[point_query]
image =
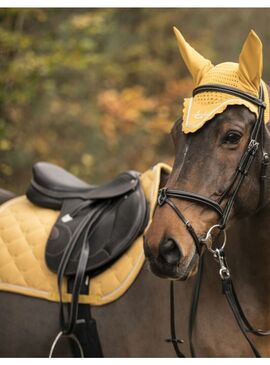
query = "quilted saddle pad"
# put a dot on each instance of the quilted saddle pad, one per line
(24, 230)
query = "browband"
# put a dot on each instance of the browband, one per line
(229, 90)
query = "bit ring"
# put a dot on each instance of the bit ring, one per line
(208, 238)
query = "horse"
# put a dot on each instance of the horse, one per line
(138, 324)
(191, 211)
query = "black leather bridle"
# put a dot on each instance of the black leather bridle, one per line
(256, 138)
(256, 142)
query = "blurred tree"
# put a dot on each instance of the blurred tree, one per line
(97, 90)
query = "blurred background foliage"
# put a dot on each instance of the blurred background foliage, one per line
(97, 90)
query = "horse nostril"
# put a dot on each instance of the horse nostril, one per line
(170, 252)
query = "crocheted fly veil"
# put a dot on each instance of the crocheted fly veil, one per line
(245, 76)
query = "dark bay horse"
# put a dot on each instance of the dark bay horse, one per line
(206, 163)
(138, 323)
(248, 253)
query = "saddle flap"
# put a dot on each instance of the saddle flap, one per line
(121, 221)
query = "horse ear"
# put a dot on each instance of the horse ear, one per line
(196, 64)
(251, 61)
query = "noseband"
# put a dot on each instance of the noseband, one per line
(256, 141)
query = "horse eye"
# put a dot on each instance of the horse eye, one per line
(232, 137)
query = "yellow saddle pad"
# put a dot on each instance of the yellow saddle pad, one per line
(24, 230)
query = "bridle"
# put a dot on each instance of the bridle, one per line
(256, 142)
(241, 172)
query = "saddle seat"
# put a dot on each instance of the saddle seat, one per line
(51, 185)
(56, 178)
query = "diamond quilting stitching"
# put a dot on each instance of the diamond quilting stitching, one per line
(24, 229)
(23, 252)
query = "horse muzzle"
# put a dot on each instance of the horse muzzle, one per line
(169, 262)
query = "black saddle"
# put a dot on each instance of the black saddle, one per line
(116, 211)
(95, 226)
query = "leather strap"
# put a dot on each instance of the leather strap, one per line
(196, 198)
(227, 290)
(194, 304)
(230, 90)
(192, 314)
(86, 329)
(89, 221)
(187, 224)
(173, 339)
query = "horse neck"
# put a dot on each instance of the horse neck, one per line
(248, 254)
(250, 249)
(253, 246)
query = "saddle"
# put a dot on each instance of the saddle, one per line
(95, 226)
(116, 211)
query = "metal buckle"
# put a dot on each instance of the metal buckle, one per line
(253, 146)
(162, 196)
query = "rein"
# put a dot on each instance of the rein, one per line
(256, 141)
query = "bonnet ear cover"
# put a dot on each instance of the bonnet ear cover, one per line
(245, 76)
(196, 64)
(251, 62)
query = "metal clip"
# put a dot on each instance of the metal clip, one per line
(224, 271)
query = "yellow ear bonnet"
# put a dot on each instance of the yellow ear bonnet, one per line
(245, 76)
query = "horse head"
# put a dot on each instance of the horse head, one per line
(221, 156)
